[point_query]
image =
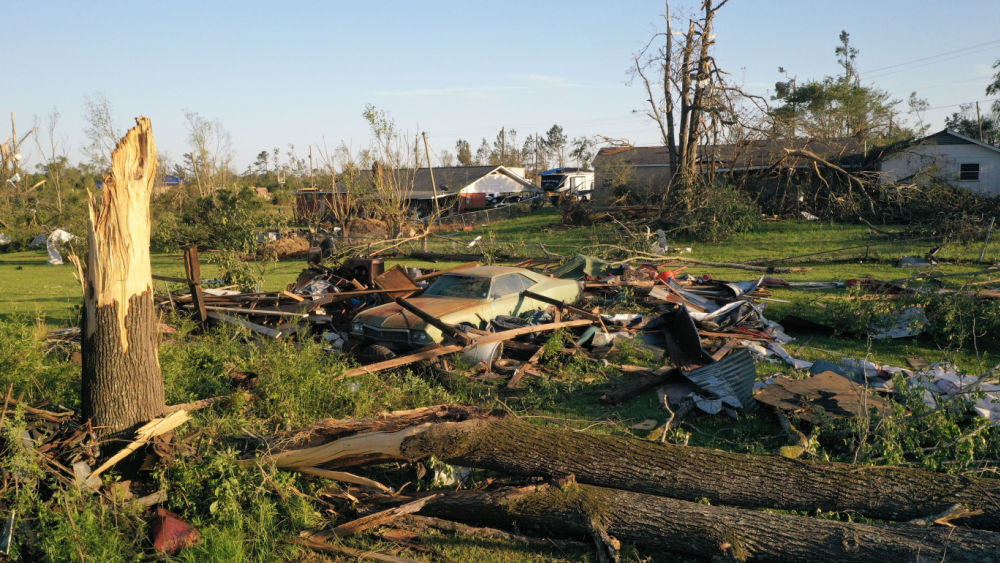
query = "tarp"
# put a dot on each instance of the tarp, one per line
(52, 245)
(579, 266)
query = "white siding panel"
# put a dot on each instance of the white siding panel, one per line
(942, 162)
(496, 184)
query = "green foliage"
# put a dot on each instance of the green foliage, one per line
(959, 319)
(724, 211)
(235, 269)
(243, 511)
(35, 376)
(946, 437)
(225, 220)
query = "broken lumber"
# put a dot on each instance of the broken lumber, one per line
(705, 531)
(487, 441)
(372, 520)
(428, 353)
(638, 385)
(445, 328)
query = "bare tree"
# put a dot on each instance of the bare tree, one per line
(211, 153)
(392, 170)
(101, 132)
(692, 103)
(54, 156)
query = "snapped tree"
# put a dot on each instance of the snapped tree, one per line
(121, 382)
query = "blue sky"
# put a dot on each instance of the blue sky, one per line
(275, 73)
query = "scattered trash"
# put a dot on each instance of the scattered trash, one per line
(52, 245)
(914, 262)
(171, 534)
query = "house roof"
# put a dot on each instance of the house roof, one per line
(846, 152)
(450, 180)
(951, 137)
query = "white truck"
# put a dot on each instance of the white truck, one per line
(568, 182)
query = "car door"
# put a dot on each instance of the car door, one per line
(505, 294)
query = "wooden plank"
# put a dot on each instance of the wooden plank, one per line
(292, 296)
(437, 323)
(266, 331)
(397, 280)
(530, 329)
(445, 271)
(427, 353)
(192, 269)
(260, 312)
(170, 279)
(551, 301)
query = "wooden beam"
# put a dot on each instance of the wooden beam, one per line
(193, 270)
(427, 353)
(437, 323)
(445, 271)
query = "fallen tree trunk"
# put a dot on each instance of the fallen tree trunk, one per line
(666, 524)
(481, 439)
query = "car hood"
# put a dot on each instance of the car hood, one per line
(392, 316)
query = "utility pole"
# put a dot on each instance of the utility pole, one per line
(427, 151)
(503, 144)
(979, 119)
(311, 183)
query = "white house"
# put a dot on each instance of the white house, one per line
(946, 157)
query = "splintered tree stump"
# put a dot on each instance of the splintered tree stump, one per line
(717, 532)
(121, 382)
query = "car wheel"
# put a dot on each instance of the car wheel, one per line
(376, 353)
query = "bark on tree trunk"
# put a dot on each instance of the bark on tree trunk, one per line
(121, 382)
(666, 524)
(475, 438)
(691, 473)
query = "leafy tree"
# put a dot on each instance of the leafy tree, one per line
(535, 154)
(464, 152)
(993, 88)
(505, 150)
(583, 151)
(836, 106)
(986, 127)
(555, 141)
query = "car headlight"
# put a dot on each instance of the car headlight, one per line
(357, 327)
(420, 337)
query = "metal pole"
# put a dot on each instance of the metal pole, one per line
(437, 208)
(987, 241)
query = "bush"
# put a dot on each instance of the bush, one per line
(725, 211)
(226, 220)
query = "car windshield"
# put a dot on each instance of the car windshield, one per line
(451, 285)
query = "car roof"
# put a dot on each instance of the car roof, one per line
(493, 271)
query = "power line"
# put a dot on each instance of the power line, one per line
(962, 51)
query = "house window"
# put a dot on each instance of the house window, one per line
(969, 171)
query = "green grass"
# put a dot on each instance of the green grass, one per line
(247, 513)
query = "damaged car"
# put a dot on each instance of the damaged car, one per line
(469, 297)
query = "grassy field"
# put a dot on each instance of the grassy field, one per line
(247, 513)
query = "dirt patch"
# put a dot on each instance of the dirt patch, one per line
(285, 247)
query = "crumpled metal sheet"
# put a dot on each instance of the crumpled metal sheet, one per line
(729, 380)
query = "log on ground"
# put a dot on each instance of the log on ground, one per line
(666, 524)
(514, 447)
